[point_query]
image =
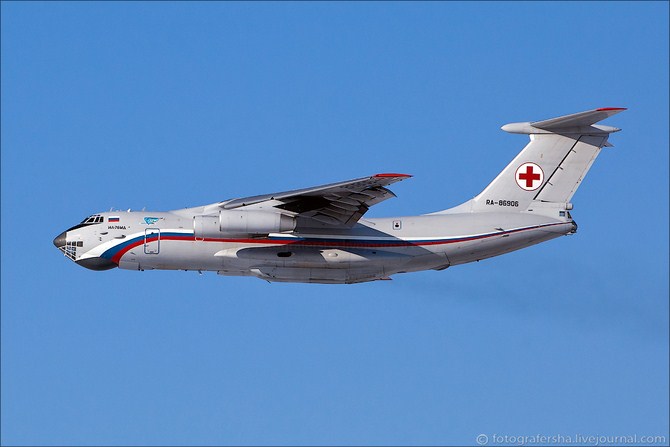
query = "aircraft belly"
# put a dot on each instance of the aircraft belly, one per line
(318, 275)
(470, 251)
(218, 256)
(174, 255)
(337, 259)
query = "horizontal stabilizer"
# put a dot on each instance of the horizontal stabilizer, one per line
(581, 123)
(578, 119)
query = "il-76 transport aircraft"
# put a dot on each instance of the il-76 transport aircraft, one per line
(319, 234)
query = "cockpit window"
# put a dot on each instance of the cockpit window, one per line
(94, 219)
(90, 220)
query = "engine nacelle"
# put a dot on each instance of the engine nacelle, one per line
(229, 222)
(254, 222)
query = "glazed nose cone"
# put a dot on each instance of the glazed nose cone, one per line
(60, 240)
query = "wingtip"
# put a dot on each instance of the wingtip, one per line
(392, 175)
(607, 109)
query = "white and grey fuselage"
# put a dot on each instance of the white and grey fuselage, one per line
(294, 236)
(373, 249)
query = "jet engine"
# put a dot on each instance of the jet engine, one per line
(231, 222)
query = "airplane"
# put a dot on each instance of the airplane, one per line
(319, 234)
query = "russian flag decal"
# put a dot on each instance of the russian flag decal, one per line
(113, 219)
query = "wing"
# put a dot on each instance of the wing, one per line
(339, 204)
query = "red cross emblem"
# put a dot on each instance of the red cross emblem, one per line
(529, 176)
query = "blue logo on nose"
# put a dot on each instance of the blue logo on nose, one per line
(150, 220)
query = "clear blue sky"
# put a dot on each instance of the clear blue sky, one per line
(167, 105)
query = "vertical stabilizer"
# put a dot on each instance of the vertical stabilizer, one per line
(551, 167)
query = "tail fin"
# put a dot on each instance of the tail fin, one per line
(551, 167)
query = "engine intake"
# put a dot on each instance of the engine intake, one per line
(231, 222)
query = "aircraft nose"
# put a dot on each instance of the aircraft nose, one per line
(60, 240)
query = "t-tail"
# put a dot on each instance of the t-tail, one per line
(548, 171)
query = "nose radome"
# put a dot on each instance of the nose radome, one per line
(60, 240)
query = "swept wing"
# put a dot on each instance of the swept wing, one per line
(339, 204)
